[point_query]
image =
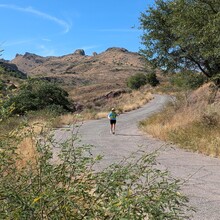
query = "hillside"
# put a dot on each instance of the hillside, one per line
(111, 66)
(86, 78)
(10, 77)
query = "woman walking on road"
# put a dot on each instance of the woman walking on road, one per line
(112, 118)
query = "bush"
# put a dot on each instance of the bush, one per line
(136, 81)
(152, 79)
(35, 95)
(187, 80)
(70, 189)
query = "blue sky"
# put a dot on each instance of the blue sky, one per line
(56, 28)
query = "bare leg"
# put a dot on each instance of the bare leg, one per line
(113, 128)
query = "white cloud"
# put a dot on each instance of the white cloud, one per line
(89, 47)
(31, 10)
(44, 51)
(18, 42)
(46, 39)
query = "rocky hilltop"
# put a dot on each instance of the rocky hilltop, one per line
(88, 79)
(110, 66)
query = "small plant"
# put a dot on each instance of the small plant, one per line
(70, 188)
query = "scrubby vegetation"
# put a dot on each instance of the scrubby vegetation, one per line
(136, 81)
(124, 103)
(187, 80)
(191, 120)
(35, 95)
(70, 189)
(30, 100)
(140, 79)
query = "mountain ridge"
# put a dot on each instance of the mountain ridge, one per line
(120, 62)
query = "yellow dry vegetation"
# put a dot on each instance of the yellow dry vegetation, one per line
(26, 148)
(191, 122)
(124, 103)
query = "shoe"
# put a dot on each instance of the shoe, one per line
(113, 132)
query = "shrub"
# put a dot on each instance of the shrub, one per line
(136, 81)
(70, 189)
(2, 86)
(35, 95)
(187, 80)
(152, 79)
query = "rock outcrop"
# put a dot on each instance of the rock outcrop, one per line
(79, 52)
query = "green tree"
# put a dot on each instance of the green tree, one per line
(183, 34)
(136, 81)
(151, 79)
(37, 94)
(187, 80)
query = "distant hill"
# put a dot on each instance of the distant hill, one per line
(111, 66)
(86, 78)
(10, 69)
(10, 77)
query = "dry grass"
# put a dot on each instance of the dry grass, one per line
(134, 100)
(101, 115)
(66, 119)
(193, 123)
(24, 137)
(124, 103)
(26, 151)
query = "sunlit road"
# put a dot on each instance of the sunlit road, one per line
(202, 172)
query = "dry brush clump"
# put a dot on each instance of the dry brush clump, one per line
(192, 122)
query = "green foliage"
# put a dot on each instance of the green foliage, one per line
(140, 79)
(183, 34)
(70, 189)
(9, 72)
(2, 86)
(136, 81)
(151, 79)
(35, 95)
(187, 80)
(5, 112)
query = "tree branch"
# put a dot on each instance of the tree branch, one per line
(209, 4)
(190, 57)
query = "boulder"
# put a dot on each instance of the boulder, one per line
(79, 52)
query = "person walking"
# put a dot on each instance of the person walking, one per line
(112, 118)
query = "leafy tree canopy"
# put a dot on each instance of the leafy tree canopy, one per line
(37, 94)
(183, 34)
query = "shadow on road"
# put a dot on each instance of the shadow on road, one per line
(138, 135)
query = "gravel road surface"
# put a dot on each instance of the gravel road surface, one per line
(201, 172)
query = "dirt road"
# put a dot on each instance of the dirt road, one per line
(203, 186)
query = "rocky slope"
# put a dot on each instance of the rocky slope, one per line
(86, 78)
(110, 66)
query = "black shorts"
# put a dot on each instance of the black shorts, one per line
(112, 122)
